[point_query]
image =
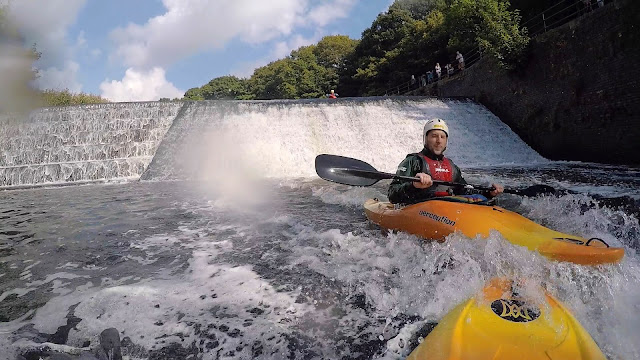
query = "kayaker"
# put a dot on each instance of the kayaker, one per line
(430, 164)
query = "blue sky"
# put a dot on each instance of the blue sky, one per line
(137, 50)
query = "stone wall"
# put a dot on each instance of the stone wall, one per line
(578, 97)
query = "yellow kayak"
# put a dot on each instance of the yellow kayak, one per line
(435, 219)
(497, 324)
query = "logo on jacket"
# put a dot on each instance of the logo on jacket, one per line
(514, 310)
(442, 170)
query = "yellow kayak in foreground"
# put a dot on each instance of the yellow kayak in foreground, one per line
(435, 219)
(497, 324)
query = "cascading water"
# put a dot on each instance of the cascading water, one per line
(264, 260)
(82, 143)
(282, 138)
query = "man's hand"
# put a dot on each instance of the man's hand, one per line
(497, 190)
(425, 181)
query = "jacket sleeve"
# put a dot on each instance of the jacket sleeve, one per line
(457, 174)
(402, 191)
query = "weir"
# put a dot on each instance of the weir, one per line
(199, 140)
(82, 143)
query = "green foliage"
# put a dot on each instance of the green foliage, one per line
(415, 34)
(333, 54)
(225, 87)
(406, 40)
(417, 9)
(372, 68)
(66, 98)
(308, 72)
(194, 94)
(490, 24)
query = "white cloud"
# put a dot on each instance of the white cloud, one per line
(45, 23)
(60, 78)
(192, 26)
(330, 11)
(81, 41)
(95, 53)
(140, 86)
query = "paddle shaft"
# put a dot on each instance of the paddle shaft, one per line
(383, 175)
(354, 172)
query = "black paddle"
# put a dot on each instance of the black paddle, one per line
(348, 171)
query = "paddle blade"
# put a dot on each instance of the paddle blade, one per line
(347, 171)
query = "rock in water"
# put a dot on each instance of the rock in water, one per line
(110, 343)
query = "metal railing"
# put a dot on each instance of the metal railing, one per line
(422, 80)
(560, 14)
(553, 17)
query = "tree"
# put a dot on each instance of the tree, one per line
(490, 24)
(332, 53)
(224, 87)
(274, 81)
(371, 72)
(417, 9)
(193, 94)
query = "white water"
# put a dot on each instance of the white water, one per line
(281, 139)
(82, 143)
(272, 139)
(231, 143)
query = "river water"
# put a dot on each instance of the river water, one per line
(277, 265)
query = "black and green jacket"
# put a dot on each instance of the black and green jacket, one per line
(403, 192)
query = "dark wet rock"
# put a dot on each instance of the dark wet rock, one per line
(86, 343)
(101, 354)
(110, 343)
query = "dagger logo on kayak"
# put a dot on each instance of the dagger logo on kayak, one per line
(514, 310)
(442, 219)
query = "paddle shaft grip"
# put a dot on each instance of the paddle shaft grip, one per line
(445, 183)
(383, 175)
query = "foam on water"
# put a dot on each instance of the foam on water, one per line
(601, 298)
(281, 139)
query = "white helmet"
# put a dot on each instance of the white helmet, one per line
(434, 124)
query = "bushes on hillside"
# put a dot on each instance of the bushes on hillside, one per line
(65, 98)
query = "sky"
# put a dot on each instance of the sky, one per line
(139, 50)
